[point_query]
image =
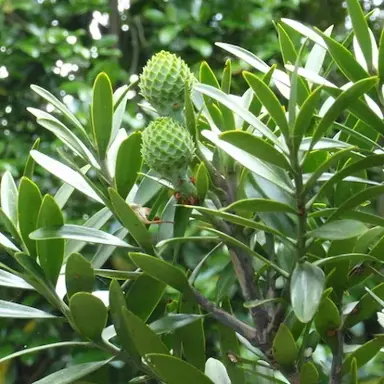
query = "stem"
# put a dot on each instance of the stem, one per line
(304, 345)
(227, 319)
(337, 360)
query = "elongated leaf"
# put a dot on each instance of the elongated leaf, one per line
(250, 162)
(9, 196)
(202, 181)
(304, 30)
(102, 112)
(344, 59)
(7, 244)
(77, 232)
(60, 106)
(339, 230)
(73, 373)
(162, 271)
(8, 279)
(66, 174)
(10, 227)
(226, 77)
(357, 199)
(79, 275)
(128, 163)
(269, 101)
(381, 57)
(305, 115)
(116, 304)
(131, 221)
(236, 219)
(89, 314)
(171, 369)
(360, 28)
(259, 205)
(18, 311)
(50, 252)
(146, 340)
(144, 295)
(307, 284)
(284, 347)
(353, 257)
(173, 321)
(119, 109)
(363, 354)
(343, 101)
(232, 241)
(96, 221)
(29, 167)
(256, 146)
(29, 202)
(43, 348)
(239, 110)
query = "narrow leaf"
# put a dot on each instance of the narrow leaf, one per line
(339, 230)
(18, 311)
(9, 196)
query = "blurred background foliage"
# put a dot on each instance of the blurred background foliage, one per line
(63, 45)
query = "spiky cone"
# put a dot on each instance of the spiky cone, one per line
(168, 148)
(163, 81)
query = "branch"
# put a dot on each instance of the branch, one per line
(227, 319)
(337, 361)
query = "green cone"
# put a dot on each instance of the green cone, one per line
(163, 80)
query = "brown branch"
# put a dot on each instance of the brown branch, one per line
(337, 361)
(227, 319)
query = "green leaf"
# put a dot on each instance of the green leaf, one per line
(78, 232)
(30, 163)
(339, 230)
(128, 163)
(353, 371)
(343, 101)
(360, 165)
(258, 303)
(144, 295)
(7, 244)
(354, 257)
(328, 321)
(102, 112)
(358, 199)
(247, 116)
(9, 197)
(344, 59)
(360, 29)
(256, 146)
(366, 307)
(119, 110)
(189, 113)
(145, 340)
(226, 77)
(227, 279)
(66, 174)
(269, 101)
(229, 344)
(10, 227)
(250, 162)
(232, 241)
(171, 369)
(29, 202)
(64, 134)
(73, 373)
(18, 311)
(116, 304)
(50, 252)
(89, 314)
(8, 279)
(173, 321)
(309, 374)
(363, 354)
(79, 275)
(236, 219)
(307, 284)
(43, 348)
(60, 106)
(162, 271)
(202, 181)
(192, 336)
(381, 58)
(131, 221)
(305, 116)
(96, 221)
(207, 76)
(117, 274)
(284, 347)
(259, 205)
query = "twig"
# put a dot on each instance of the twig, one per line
(337, 361)
(227, 319)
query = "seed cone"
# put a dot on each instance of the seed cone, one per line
(163, 80)
(167, 147)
